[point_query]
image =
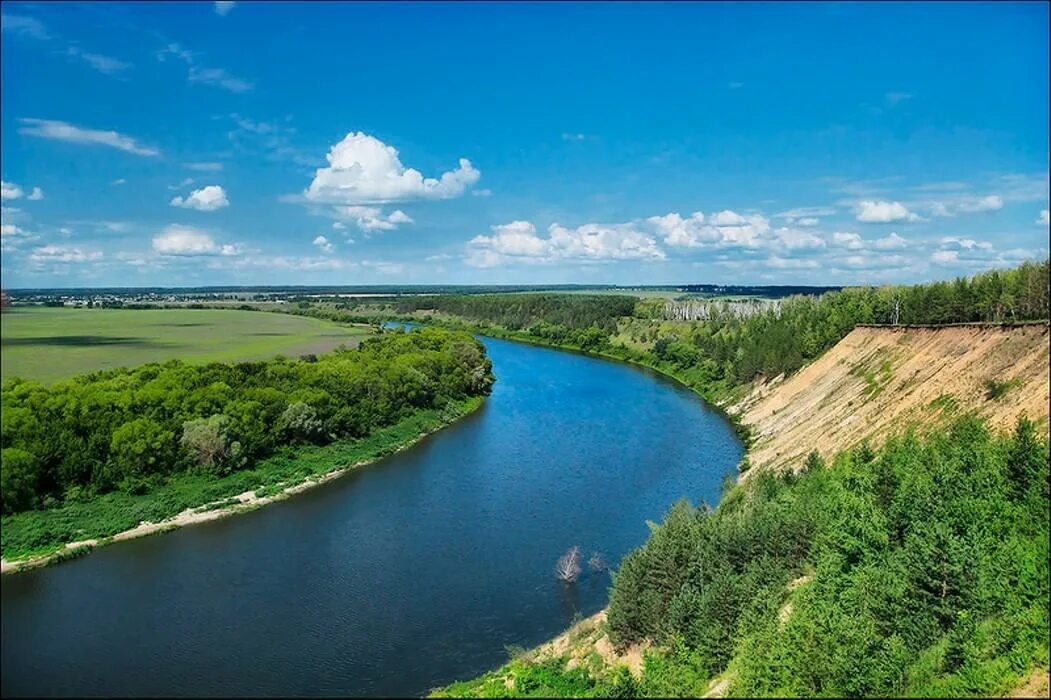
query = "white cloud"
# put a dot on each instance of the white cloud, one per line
(207, 198)
(27, 26)
(61, 131)
(850, 241)
(891, 242)
(807, 221)
(965, 205)
(185, 183)
(965, 243)
(370, 219)
(725, 229)
(796, 239)
(364, 170)
(103, 64)
(804, 212)
(573, 137)
(180, 240)
(894, 98)
(880, 212)
(223, 6)
(945, 257)
(63, 254)
(206, 167)
(11, 237)
(217, 77)
(9, 190)
(119, 181)
(1043, 219)
(518, 241)
(324, 244)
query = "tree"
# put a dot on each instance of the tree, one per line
(208, 444)
(18, 479)
(141, 447)
(300, 422)
(568, 567)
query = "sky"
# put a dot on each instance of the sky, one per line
(218, 143)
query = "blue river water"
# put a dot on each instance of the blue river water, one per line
(405, 575)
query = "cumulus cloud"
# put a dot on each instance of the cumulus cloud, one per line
(880, 212)
(724, 229)
(848, 240)
(9, 190)
(207, 198)
(324, 244)
(364, 170)
(518, 241)
(371, 219)
(177, 240)
(61, 131)
(891, 242)
(807, 221)
(965, 243)
(12, 236)
(1043, 219)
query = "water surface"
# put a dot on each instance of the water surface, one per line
(403, 576)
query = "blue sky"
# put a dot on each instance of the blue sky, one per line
(325, 143)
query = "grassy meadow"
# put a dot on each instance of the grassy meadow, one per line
(48, 344)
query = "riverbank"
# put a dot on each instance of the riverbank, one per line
(39, 538)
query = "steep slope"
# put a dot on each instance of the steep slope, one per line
(879, 379)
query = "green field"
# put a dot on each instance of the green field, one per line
(48, 344)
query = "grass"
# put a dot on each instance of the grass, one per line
(39, 532)
(995, 389)
(48, 344)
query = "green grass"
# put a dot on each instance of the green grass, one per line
(36, 532)
(995, 389)
(48, 344)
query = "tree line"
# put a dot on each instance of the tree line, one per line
(130, 428)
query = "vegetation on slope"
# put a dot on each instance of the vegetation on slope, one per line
(130, 430)
(918, 570)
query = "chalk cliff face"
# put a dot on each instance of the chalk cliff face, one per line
(879, 380)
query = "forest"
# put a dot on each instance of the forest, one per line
(130, 429)
(927, 558)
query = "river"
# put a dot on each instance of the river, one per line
(406, 575)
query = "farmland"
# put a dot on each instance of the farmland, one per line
(48, 344)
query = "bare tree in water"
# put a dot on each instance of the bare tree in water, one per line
(568, 567)
(597, 563)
